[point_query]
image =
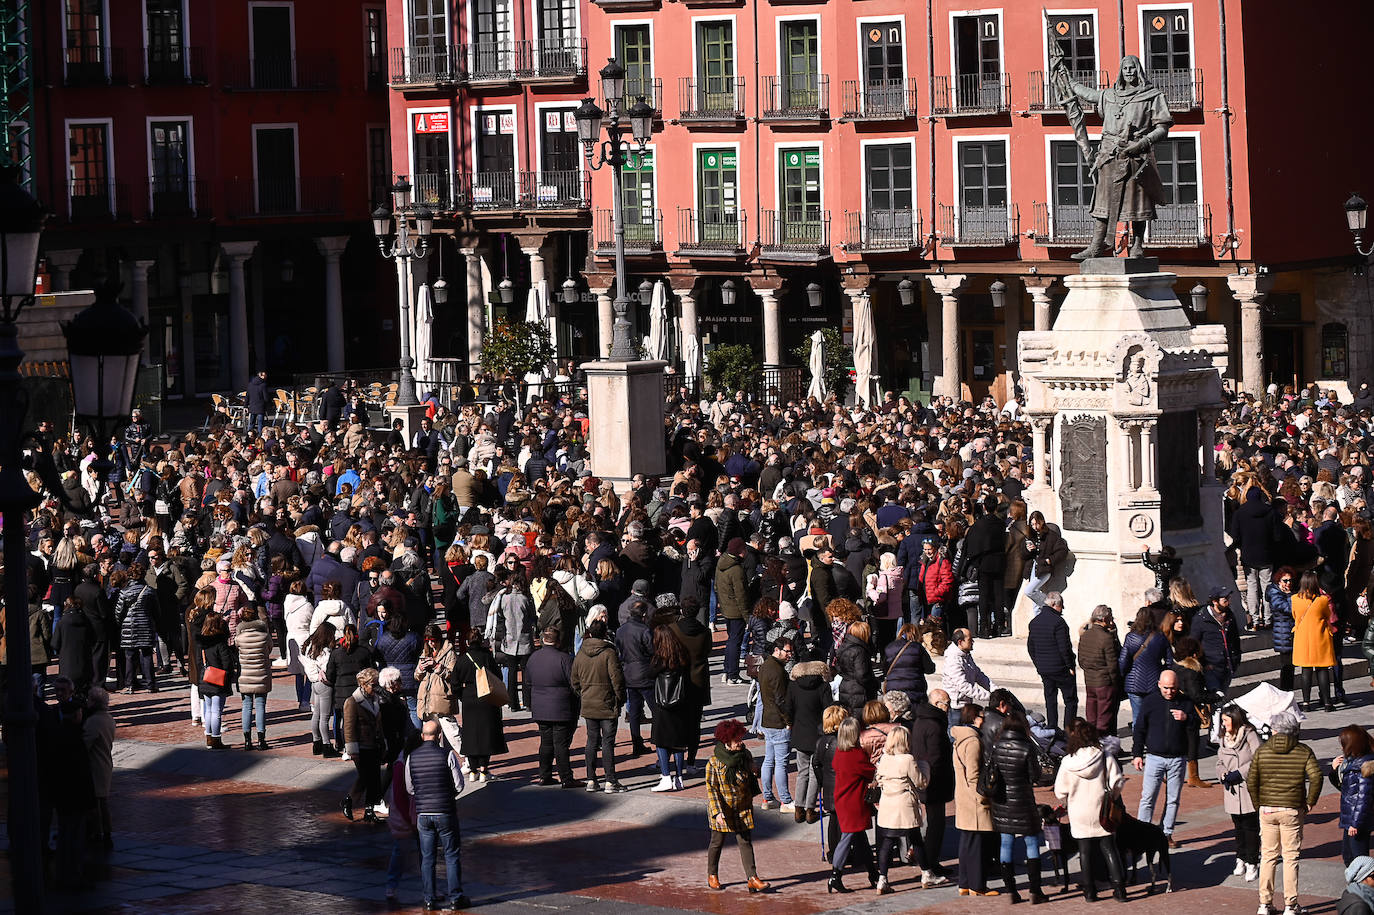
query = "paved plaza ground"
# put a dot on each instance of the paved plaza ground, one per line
(248, 832)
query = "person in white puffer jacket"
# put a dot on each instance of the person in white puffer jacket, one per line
(962, 678)
(297, 614)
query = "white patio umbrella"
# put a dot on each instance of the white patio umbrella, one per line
(422, 340)
(660, 346)
(866, 380)
(535, 313)
(691, 356)
(817, 388)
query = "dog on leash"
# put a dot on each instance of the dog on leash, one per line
(1133, 838)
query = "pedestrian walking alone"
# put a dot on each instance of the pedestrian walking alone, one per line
(730, 789)
(434, 779)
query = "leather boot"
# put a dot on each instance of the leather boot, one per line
(1096, 247)
(1194, 781)
(1009, 882)
(1033, 878)
(209, 740)
(637, 747)
(835, 885)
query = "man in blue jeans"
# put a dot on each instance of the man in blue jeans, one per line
(435, 780)
(776, 704)
(1160, 749)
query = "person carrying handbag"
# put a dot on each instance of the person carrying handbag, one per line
(899, 779)
(1089, 782)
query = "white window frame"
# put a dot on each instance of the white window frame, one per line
(537, 166)
(652, 150)
(1145, 8)
(109, 156)
(777, 41)
(410, 113)
(252, 53)
(696, 22)
(697, 149)
(509, 39)
(1050, 140)
(957, 141)
(386, 58)
(1196, 137)
(778, 149)
(1001, 40)
(653, 56)
(859, 36)
(1097, 37)
(296, 133)
(910, 140)
(185, 39)
(536, 21)
(190, 154)
(476, 112)
(105, 44)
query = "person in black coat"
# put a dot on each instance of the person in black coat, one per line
(857, 683)
(809, 693)
(698, 571)
(1047, 641)
(1217, 631)
(1255, 533)
(348, 657)
(72, 640)
(257, 400)
(1014, 810)
(99, 610)
(634, 643)
(907, 663)
(483, 734)
(930, 743)
(984, 551)
(553, 706)
(332, 404)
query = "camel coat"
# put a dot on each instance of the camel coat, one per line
(901, 779)
(1312, 646)
(971, 812)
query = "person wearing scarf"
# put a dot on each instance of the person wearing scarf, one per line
(362, 714)
(730, 790)
(1358, 898)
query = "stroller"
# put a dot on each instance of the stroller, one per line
(1261, 705)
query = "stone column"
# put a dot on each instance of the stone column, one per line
(605, 319)
(948, 383)
(332, 247)
(538, 275)
(186, 289)
(1250, 290)
(687, 299)
(772, 326)
(1040, 425)
(60, 267)
(1147, 455)
(1207, 428)
(476, 306)
(1039, 288)
(237, 252)
(1011, 329)
(138, 281)
(1127, 427)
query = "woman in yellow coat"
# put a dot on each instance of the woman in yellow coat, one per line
(1314, 650)
(731, 786)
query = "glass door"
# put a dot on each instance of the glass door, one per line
(883, 89)
(166, 61)
(636, 56)
(492, 52)
(717, 198)
(801, 196)
(888, 174)
(171, 185)
(637, 195)
(716, 67)
(800, 49)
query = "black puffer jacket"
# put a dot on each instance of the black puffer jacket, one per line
(809, 690)
(1013, 810)
(907, 672)
(635, 644)
(857, 683)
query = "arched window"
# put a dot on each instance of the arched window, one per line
(1335, 351)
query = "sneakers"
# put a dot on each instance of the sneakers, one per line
(883, 886)
(1251, 873)
(593, 786)
(771, 804)
(1293, 910)
(677, 784)
(929, 879)
(666, 783)
(615, 788)
(788, 808)
(1238, 869)
(343, 754)
(380, 808)
(1264, 909)
(280, 663)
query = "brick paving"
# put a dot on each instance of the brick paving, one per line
(207, 831)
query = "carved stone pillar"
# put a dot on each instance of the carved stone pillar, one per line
(1040, 485)
(1039, 288)
(948, 382)
(237, 253)
(1250, 290)
(476, 306)
(1207, 428)
(1147, 455)
(1128, 479)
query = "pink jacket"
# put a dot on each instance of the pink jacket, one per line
(886, 590)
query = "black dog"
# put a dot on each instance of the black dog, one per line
(1133, 838)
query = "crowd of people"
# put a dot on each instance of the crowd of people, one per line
(419, 588)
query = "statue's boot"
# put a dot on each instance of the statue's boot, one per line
(1137, 239)
(1097, 247)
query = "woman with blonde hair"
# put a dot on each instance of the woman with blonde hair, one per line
(901, 779)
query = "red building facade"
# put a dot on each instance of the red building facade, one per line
(225, 157)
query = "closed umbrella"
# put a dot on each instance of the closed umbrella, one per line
(659, 346)
(691, 356)
(866, 386)
(534, 314)
(817, 388)
(423, 338)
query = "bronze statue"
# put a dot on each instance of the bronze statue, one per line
(1135, 116)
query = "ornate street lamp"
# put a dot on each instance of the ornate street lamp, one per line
(413, 226)
(727, 293)
(1356, 218)
(646, 291)
(505, 292)
(906, 291)
(1198, 294)
(613, 152)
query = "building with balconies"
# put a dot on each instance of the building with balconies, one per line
(853, 144)
(224, 158)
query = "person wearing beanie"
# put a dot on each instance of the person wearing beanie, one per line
(1358, 898)
(732, 603)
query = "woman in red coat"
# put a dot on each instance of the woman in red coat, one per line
(854, 771)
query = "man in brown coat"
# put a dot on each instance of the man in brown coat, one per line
(1098, 648)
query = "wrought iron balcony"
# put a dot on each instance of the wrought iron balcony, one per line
(713, 98)
(796, 234)
(97, 200)
(1063, 226)
(712, 233)
(176, 66)
(1180, 225)
(978, 227)
(797, 97)
(273, 197)
(553, 59)
(423, 66)
(643, 233)
(1042, 94)
(178, 197)
(567, 189)
(94, 65)
(489, 191)
(972, 93)
(491, 61)
(1182, 88)
(883, 230)
(432, 189)
(635, 87)
(281, 73)
(883, 100)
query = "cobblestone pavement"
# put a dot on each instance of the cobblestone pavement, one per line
(246, 832)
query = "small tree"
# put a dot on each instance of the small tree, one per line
(838, 358)
(516, 348)
(733, 368)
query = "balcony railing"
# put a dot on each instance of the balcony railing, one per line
(1180, 225)
(279, 73)
(714, 98)
(178, 197)
(978, 227)
(434, 190)
(883, 230)
(972, 93)
(1063, 225)
(796, 234)
(650, 89)
(711, 233)
(643, 232)
(489, 191)
(1182, 88)
(95, 65)
(802, 96)
(1042, 94)
(566, 189)
(490, 61)
(423, 66)
(883, 100)
(306, 196)
(95, 200)
(553, 58)
(176, 66)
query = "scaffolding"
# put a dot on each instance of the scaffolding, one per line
(16, 88)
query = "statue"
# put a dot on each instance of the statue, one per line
(1138, 382)
(1135, 116)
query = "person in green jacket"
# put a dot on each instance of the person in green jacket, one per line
(1284, 783)
(732, 601)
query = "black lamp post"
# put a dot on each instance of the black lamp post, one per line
(613, 153)
(1356, 218)
(414, 224)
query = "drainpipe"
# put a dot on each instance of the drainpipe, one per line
(1225, 111)
(930, 106)
(758, 129)
(1121, 29)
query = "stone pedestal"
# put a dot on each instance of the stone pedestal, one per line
(409, 416)
(1122, 392)
(625, 406)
